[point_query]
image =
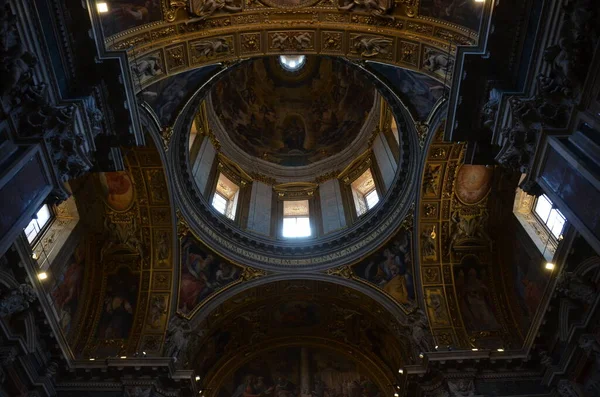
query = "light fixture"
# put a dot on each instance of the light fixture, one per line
(34, 255)
(197, 378)
(400, 371)
(436, 347)
(396, 395)
(123, 356)
(475, 349)
(501, 350)
(421, 355)
(42, 275)
(92, 359)
(549, 266)
(144, 353)
(398, 387)
(479, 1)
(102, 7)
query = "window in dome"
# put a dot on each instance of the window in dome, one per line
(364, 192)
(296, 219)
(41, 219)
(226, 196)
(292, 63)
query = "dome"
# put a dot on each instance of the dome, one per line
(292, 111)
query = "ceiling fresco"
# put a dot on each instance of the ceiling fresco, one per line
(293, 370)
(129, 224)
(286, 313)
(202, 274)
(460, 286)
(461, 12)
(391, 269)
(168, 96)
(127, 14)
(418, 92)
(293, 122)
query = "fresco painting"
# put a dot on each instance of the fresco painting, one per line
(117, 189)
(530, 282)
(473, 183)
(461, 12)
(475, 296)
(418, 92)
(202, 273)
(166, 97)
(119, 304)
(127, 14)
(293, 120)
(296, 371)
(391, 268)
(68, 287)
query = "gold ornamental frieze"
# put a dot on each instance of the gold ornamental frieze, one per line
(227, 34)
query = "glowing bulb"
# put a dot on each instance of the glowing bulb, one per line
(475, 349)
(197, 378)
(501, 350)
(92, 359)
(436, 347)
(421, 355)
(34, 255)
(42, 275)
(479, 1)
(549, 266)
(102, 7)
(400, 371)
(396, 395)
(123, 356)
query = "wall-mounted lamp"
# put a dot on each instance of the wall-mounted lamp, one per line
(42, 276)
(549, 266)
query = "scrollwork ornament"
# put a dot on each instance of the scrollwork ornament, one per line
(171, 8)
(341, 271)
(250, 273)
(165, 135)
(182, 226)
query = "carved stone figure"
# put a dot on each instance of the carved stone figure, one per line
(468, 228)
(17, 300)
(437, 62)
(372, 46)
(419, 326)
(428, 246)
(212, 47)
(576, 288)
(176, 340)
(490, 109)
(518, 148)
(147, 67)
(461, 388)
(279, 40)
(206, 8)
(566, 388)
(302, 40)
(377, 8)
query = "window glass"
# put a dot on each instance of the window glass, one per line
(296, 227)
(364, 192)
(552, 217)
(372, 198)
(228, 193)
(42, 217)
(296, 221)
(556, 222)
(543, 207)
(219, 203)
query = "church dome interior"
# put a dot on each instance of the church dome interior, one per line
(299, 198)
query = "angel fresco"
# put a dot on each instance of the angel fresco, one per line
(202, 273)
(67, 291)
(391, 269)
(126, 14)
